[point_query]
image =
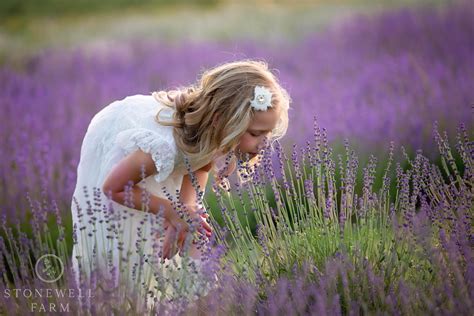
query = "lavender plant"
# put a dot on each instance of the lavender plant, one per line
(371, 79)
(308, 217)
(319, 246)
(305, 235)
(31, 283)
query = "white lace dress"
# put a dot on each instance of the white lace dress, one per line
(118, 239)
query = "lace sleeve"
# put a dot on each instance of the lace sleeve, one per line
(161, 151)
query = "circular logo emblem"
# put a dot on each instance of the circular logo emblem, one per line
(49, 268)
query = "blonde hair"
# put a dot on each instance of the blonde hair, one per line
(211, 116)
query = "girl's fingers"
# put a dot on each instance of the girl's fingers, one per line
(203, 213)
(166, 247)
(204, 232)
(198, 222)
(206, 226)
(203, 227)
(169, 243)
(182, 238)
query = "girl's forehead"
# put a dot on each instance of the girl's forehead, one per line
(264, 120)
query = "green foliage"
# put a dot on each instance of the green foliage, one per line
(58, 7)
(319, 215)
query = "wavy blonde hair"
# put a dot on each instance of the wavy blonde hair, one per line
(212, 115)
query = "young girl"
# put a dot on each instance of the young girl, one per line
(133, 171)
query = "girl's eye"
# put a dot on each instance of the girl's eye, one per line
(254, 134)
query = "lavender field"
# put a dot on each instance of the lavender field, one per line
(364, 208)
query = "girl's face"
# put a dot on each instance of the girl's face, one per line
(260, 128)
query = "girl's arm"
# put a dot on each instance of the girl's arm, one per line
(175, 236)
(130, 169)
(188, 192)
(189, 199)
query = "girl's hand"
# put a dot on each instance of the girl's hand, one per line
(169, 248)
(196, 224)
(197, 220)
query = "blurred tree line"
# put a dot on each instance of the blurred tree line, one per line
(10, 8)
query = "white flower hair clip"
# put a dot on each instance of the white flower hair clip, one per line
(262, 99)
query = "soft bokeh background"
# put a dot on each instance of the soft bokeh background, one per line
(352, 238)
(369, 71)
(28, 26)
